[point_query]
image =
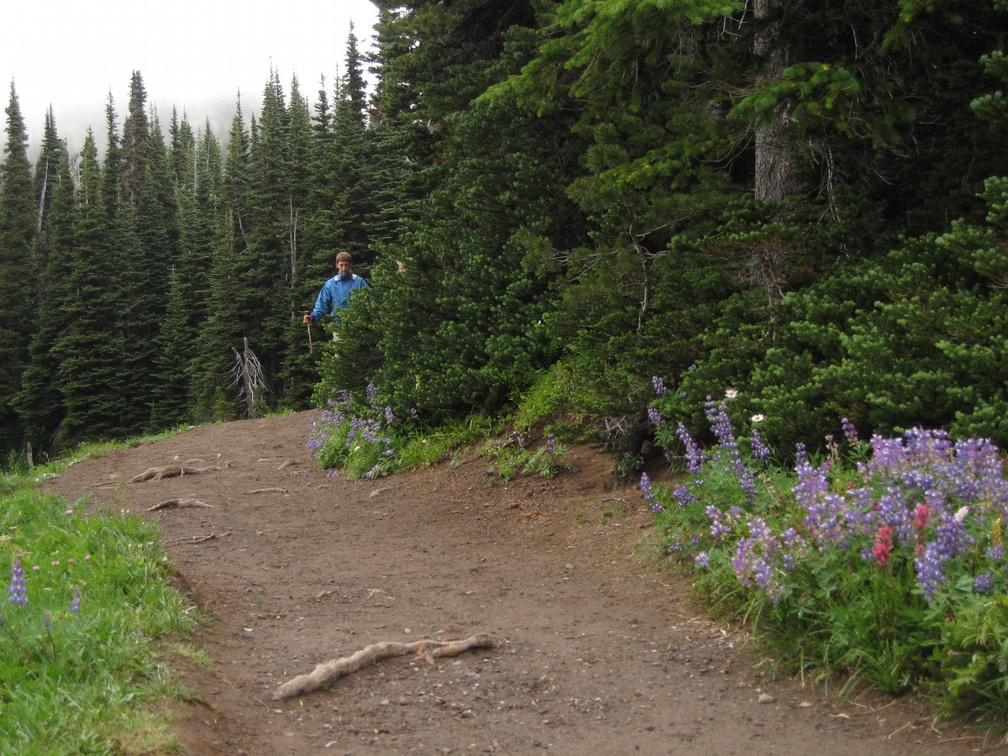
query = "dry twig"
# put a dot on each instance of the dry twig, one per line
(327, 673)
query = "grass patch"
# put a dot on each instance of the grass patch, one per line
(87, 602)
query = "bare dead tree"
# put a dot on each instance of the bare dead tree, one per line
(249, 378)
(292, 240)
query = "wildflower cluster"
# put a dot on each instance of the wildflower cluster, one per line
(354, 437)
(906, 536)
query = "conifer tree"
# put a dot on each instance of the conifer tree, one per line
(90, 353)
(175, 350)
(224, 327)
(40, 403)
(136, 131)
(189, 286)
(144, 280)
(296, 371)
(263, 274)
(17, 269)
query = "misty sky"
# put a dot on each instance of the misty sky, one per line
(195, 55)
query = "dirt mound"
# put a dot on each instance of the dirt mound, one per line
(597, 652)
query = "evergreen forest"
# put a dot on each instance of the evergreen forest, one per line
(805, 203)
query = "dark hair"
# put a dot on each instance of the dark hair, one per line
(343, 255)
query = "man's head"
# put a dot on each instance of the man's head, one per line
(344, 262)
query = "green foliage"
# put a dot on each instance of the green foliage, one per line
(972, 653)
(511, 457)
(97, 600)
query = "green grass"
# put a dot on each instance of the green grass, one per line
(88, 681)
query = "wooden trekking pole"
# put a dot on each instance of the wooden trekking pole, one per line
(311, 348)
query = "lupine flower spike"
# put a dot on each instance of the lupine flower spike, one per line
(17, 590)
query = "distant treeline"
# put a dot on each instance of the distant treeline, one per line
(803, 204)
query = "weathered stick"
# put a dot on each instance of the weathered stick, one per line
(170, 471)
(327, 673)
(173, 503)
(199, 539)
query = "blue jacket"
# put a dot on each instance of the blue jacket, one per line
(335, 294)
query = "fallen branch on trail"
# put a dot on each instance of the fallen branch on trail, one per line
(327, 673)
(177, 504)
(171, 471)
(265, 490)
(199, 539)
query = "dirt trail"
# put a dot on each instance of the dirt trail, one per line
(597, 652)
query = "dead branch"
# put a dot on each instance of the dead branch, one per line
(325, 674)
(199, 539)
(170, 471)
(265, 490)
(178, 503)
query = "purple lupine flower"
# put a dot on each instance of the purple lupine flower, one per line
(801, 453)
(951, 539)
(718, 528)
(389, 415)
(717, 416)
(46, 621)
(18, 590)
(995, 553)
(650, 497)
(659, 385)
(654, 416)
(759, 448)
(370, 391)
(983, 582)
(551, 444)
(702, 560)
(75, 603)
(695, 457)
(849, 431)
(413, 413)
(684, 496)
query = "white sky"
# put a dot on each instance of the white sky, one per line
(195, 55)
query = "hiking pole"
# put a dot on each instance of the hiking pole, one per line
(311, 349)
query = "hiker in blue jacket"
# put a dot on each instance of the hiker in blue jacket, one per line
(335, 293)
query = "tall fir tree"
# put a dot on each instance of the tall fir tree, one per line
(213, 395)
(135, 142)
(264, 273)
(17, 269)
(189, 286)
(90, 353)
(40, 403)
(144, 282)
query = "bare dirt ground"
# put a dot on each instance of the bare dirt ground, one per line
(600, 650)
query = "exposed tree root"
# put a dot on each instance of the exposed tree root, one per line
(327, 673)
(178, 504)
(171, 471)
